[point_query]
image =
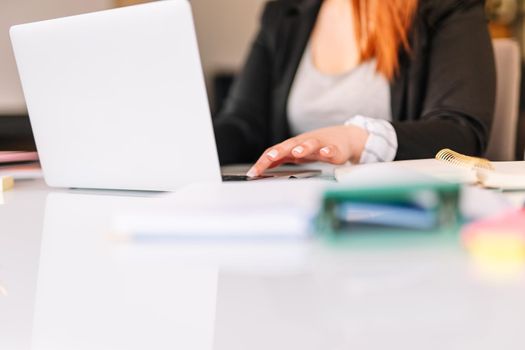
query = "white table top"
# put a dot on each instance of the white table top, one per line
(64, 285)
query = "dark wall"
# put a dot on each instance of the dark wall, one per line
(16, 134)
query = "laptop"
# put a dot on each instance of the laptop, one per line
(117, 99)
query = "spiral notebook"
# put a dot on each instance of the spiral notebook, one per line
(452, 166)
(502, 175)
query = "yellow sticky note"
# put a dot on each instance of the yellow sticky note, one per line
(500, 247)
(6, 183)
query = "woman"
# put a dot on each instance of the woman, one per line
(361, 81)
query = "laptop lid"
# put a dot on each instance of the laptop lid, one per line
(117, 98)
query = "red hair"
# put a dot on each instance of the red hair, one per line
(382, 28)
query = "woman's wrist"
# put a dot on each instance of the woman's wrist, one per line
(358, 138)
(381, 145)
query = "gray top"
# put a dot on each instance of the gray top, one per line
(318, 100)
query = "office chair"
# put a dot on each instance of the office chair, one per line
(502, 142)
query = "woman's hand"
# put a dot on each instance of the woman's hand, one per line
(335, 145)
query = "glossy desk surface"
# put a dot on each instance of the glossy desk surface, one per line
(64, 285)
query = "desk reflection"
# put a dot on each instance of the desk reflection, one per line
(89, 298)
(21, 226)
(94, 293)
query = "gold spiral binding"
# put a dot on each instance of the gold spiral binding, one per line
(462, 160)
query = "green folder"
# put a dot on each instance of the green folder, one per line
(418, 210)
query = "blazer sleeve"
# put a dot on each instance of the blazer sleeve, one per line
(460, 88)
(241, 128)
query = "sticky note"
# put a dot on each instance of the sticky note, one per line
(497, 245)
(502, 237)
(6, 183)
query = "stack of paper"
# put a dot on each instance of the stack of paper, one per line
(277, 209)
(506, 175)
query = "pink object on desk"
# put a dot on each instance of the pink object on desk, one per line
(501, 238)
(18, 157)
(508, 223)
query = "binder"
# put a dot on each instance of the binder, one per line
(430, 207)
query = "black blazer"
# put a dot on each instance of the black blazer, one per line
(443, 95)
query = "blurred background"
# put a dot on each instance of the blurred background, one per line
(224, 29)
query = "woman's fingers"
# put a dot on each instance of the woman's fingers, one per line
(279, 163)
(293, 160)
(335, 145)
(331, 154)
(296, 151)
(289, 151)
(306, 148)
(328, 152)
(264, 162)
(274, 155)
(314, 150)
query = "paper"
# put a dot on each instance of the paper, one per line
(506, 176)
(254, 223)
(440, 170)
(269, 209)
(401, 173)
(477, 203)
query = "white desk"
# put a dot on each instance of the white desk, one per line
(69, 287)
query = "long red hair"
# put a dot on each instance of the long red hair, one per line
(382, 28)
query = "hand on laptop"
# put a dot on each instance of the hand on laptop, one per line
(335, 145)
